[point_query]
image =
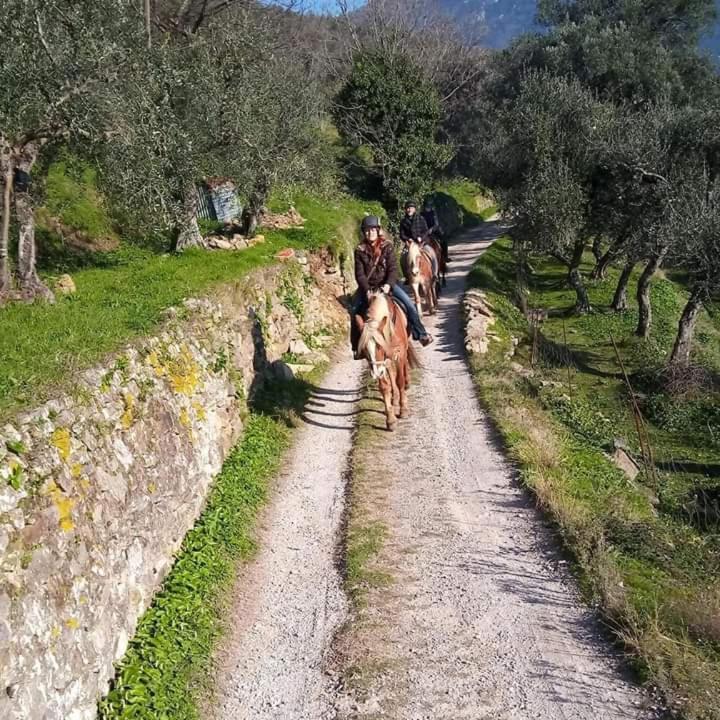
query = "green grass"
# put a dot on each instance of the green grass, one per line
(125, 293)
(647, 553)
(365, 531)
(168, 670)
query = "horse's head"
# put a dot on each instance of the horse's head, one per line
(414, 255)
(376, 335)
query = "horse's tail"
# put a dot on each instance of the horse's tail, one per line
(413, 357)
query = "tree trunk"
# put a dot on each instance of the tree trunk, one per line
(31, 285)
(686, 329)
(256, 202)
(597, 248)
(6, 184)
(521, 276)
(189, 235)
(603, 263)
(619, 303)
(575, 279)
(148, 23)
(643, 295)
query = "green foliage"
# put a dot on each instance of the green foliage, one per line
(72, 196)
(175, 638)
(388, 107)
(16, 447)
(16, 477)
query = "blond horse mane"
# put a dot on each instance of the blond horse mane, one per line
(414, 255)
(379, 310)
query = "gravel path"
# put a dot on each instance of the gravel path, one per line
(482, 620)
(289, 603)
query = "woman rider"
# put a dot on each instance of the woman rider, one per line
(376, 269)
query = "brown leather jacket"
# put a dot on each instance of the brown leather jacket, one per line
(372, 275)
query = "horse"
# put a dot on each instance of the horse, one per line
(434, 243)
(385, 342)
(419, 275)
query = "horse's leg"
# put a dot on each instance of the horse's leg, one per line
(386, 392)
(403, 383)
(394, 381)
(418, 297)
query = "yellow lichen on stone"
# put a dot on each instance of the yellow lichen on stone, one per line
(154, 362)
(126, 420)
(61, 440)
(63, 504)
(184, 373)
(55, 632)
(199, 411)
(185, 420)
(76, 471)
(72, 623)
(152, 488)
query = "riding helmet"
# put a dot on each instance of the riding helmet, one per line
(410, 204)
(371, 221)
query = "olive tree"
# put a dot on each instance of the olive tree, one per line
(58, 59)
(389, 107)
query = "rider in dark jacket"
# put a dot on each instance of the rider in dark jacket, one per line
(376, 269)
(434, 228)
(413, 225)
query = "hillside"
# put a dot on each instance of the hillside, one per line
(506, 19)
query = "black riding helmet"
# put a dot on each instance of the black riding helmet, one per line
(371, 221)
(410, 204)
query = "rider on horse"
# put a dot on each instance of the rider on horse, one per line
(433, 223)
(375, 270)
(413, 228)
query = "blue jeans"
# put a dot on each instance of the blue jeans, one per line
(360, 305)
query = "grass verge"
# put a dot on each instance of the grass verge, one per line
(168, 669)
(123, 295)
(366, 532)
(651, 566)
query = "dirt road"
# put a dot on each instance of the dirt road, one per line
(481, 620)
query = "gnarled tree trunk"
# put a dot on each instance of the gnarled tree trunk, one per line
(597, 248)
(575, 279)
(619, 302)
(31, 285)
(189, 235)
(256, 202)
(643, 295)
(686, 329)
(603, 263)
(6, 185)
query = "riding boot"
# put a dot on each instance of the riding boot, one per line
(354, 336)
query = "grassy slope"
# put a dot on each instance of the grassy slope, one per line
(643, 551)
(124, 295)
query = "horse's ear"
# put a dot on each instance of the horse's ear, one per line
(383, 324)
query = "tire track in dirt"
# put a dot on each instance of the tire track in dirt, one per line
(482, 619)
(289, 601)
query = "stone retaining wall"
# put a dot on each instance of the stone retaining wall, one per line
(99, 487)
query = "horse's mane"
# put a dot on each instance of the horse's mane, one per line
(378, 310)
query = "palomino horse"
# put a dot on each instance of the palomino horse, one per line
(419, 275)
(386, 345)
(442, 265)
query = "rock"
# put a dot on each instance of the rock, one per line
(317, 358)
(298, 369)
(286, 254)
(257, 240)
(239, 242)
(282, 371)
(218, 243)
(298, 347)
(65, 285)
(622, 460)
